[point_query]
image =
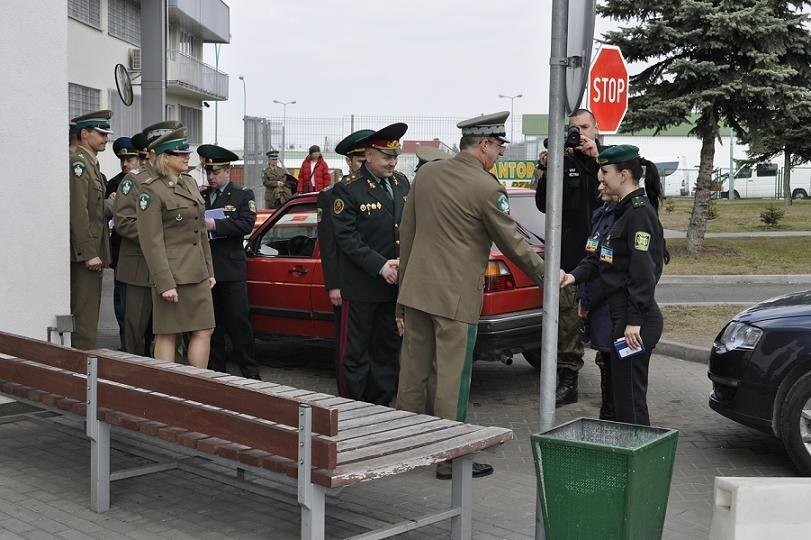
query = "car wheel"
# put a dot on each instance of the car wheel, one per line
(795, 424)
(534, 358)
(736, 195)
(799, 194)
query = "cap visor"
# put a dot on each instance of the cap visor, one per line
(390, 151)
(107, 131)
(502, 139)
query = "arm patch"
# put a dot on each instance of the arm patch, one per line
(641, 241)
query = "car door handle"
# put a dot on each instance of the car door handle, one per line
(298, 270)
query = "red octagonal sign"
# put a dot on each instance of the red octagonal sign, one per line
(608, 88)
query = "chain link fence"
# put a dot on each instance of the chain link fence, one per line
(294, 135)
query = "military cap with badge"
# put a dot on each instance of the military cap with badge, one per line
(354, 143)
(97, 120)
(486, 125)
(214, 158)
(618, 153)
(123, 147)
(174, 142)
(140, 142)
(386, 140)
(426, 154)
(272, 154)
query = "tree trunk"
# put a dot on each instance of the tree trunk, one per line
(701, 204)
(787, 176)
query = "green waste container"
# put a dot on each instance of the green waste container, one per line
(604, 480)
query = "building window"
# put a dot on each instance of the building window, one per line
(82, 99)
(86, 11)
(188, 44)
(124, 20)
(126, 121)
(193, 120)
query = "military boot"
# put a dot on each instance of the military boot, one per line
(566, 392)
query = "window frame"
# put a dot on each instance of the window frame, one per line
(90, 4)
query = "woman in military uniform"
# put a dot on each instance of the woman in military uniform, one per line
(174, 240)
(629, 262)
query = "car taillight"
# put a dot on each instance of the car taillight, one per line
(497, 277)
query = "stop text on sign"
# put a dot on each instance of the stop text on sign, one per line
(608, 89)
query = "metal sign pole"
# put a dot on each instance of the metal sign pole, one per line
(554, 203)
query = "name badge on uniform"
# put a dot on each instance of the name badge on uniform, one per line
(607, 254)
(229, 208)
(591, 245)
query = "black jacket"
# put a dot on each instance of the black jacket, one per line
(580, 200)
(366, 222)
(227, 251)
(326, 239)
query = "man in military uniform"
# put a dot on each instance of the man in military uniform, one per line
(352, 148)
(456, 209)
(237, 215)
(366, 215)
(89, 239)
(128, 157)
(580, 200)
(277, 190)
(132, 269)
(140, 143)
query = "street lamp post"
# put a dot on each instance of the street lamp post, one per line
(244, 98)
(284, 105)
(512, 117)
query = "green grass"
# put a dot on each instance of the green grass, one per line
(696, 325)
(761, 255)
(739, 215)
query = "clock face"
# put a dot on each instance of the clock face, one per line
(123, 84)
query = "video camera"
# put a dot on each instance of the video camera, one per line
(570, 140)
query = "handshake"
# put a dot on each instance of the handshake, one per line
(390, 270)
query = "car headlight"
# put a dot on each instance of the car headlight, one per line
(738, 335)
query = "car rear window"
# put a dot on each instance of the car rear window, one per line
(530, 220)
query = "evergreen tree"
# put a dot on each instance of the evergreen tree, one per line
(718, 60)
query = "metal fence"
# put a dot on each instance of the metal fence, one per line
(299, 133)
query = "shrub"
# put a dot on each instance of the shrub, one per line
(670, 205)
(712, 209)
(772, 215)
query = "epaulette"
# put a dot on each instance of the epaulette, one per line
(145, 175)
(400, 176)
(638, 201)
(349, 178)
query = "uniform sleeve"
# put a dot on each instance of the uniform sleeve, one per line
(150, 237)
(207, 251)
(242, 223)
(82, 241)
(266, 179)
(504, 233)
(642, 232)
(347, 237)
(124, 208)
(540, 192)
(587, 269)
(408, 229)
(326, 240)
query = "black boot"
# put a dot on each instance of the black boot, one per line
(607, 407)
(566, 392)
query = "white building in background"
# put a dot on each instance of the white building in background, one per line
(103, 33)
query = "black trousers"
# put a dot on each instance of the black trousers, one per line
(231, 314)
(629, 375)
(369, 352)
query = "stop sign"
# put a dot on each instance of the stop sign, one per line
(608, 88)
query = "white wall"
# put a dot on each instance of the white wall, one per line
(34, 258)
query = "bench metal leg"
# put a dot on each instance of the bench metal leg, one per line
(462, 497)
(312, 516)
(99, 434)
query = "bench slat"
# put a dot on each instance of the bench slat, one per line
(393, 464)
(43, 352)
(370, 439)
(49, 379)
(387, 416)
(346, 434)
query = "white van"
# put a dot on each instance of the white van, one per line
(765, 181)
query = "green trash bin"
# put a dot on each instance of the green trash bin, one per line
(606, 480)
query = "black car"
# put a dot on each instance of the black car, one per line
(760, 368)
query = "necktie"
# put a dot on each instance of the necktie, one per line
(386, 185)
(214, 195)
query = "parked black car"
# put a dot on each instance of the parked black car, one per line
(760, 368)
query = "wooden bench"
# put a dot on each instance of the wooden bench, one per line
(321, 440)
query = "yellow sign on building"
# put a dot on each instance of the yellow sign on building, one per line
(515, 173)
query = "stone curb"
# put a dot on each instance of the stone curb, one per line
(777, 279)
(683, 351)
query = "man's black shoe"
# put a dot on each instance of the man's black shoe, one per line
(479, 470)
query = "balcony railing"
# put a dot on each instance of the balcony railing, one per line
(208, 19)
(189, 74)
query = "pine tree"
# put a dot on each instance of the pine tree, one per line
(709, 62)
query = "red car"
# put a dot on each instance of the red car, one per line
(288, 299)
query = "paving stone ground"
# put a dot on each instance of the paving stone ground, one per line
(44, 488)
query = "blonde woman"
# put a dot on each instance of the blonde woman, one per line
(174, 240)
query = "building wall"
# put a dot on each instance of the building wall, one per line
(35, 284)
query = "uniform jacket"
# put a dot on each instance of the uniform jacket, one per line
(590, 295)
(454, 212)
(115, 239)
(131, 268)
(580, 199)
(172, 233)
(636, 241)
(275, 195)
(227, 251)
(89, 236)
(366, 222)
(322, 176)
(326, 239)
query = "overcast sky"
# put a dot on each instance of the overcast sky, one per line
(412, 57)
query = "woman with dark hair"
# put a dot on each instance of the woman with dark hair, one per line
(629, 262)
